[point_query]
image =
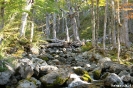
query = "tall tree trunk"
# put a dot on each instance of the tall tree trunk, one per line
(118, 30)
(105, 24)
(97, 20)
(67, 31)
(54, 26)
(113, 24)
(47, 31)
(2, 11)
(125, 24)
(24, 17)
(73, 21)
(63, 22)
(93, 25)
(58, 23)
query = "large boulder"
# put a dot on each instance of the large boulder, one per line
(31, 83)
(55, 78)
(74, 81)
(112, 78)
(5, 77)
(6, 71)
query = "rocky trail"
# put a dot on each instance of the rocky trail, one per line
(59, 64)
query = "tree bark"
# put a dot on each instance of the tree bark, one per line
(2, 11)
(118, 30)
(93, 25)
(124, 33)
(24, 17)
(47, 31)
(54, 26)
(67, 31)
(113, 24)
(105, 25)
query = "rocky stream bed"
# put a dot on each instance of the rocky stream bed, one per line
(63, 65)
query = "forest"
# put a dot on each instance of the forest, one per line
(66, 44)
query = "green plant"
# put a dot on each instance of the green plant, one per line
(86, 47)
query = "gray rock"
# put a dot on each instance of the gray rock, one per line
(102, 60)
(117, 68)
(26, 84)
(5, 77)
(48, 68)
(57, 77)
(26, 71)
(75, 82)
(112, 78)
(124, 72)
(126, 78)
(35, 50)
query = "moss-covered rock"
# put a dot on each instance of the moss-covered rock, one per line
(80, 71)
(86, 77)
(97, 73)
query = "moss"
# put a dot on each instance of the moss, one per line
(86, 77)
(97, 74)
(2, 66)
(80, 71)
(45, 58)
(86, 47)
(59, 81)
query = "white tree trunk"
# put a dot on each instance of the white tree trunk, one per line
(113, 24)
(54, 26)
(47, 31)
(67, 31)
(105, 24)
(32, 31)
(118, 30)
(24, 17)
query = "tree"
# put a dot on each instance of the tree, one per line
(118, 29)
(24, 16)
(124, 37)
(2, 11)
(105, 24)
(113, 23)
(93, 24)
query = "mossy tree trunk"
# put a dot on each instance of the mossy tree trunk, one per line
(2, 11)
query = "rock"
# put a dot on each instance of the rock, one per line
(102, 60)
(49, 56)
(131, 69)
(5, 77)
(26, 84)
(97, 56)
(75, 82)
(112, 78)
(124, 72)
(91, 67)
(48, 68)
(35, 50)
(117, 68)
(26, 71)
(57, 78)
(56, 62)
(97, 73)
(126, 78)
(79, 71)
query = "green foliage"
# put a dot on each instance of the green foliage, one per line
(86, 47)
